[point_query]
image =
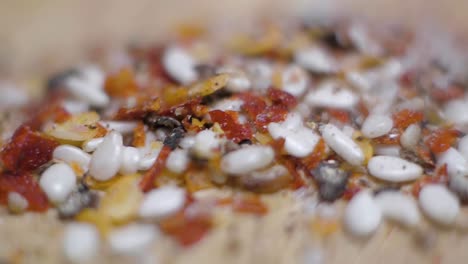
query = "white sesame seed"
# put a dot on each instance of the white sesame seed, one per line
(228, 105)
(362, 215)
(463, 146)
(17, 203)
(331, 94)
(71, 154)
(439, 204)
(88, 87)
(247, 159)
(92, 144)
(178, 161)
(58, 181)
(75, 107)
(238, 81)
(106, 160)
(294, 80)
(206, 143)
(179, 64)
(80, 242)
(342, 145)
(393, 169)
(299, 140)
(453, 109)
(148, 156)
(130, 160)
(376, 125)
(187, 142)
(132, 239)
(260, 73)
(162, 202)
(316, 59)
(456, 163)
(398, 207)
(410, 137)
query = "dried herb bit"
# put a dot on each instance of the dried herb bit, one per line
(173, 139)
(153, 121)
(79, 199)
(331, 180)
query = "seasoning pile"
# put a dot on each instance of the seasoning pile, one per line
(340, 109)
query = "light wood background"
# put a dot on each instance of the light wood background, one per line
(38, 33)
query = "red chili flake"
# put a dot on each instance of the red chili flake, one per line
(231, 127)
(311, 162)
(121, 84)
(253, 105)
(154, 56)
(139, 136)
(440, 176)
(297, 181)
(190, 107)
(147, 182)
(186, 229)
(392, 138)
(408, 78)
(27, 150)
(425, 155)
(442, 139)
(339, 114)
(138, 112)
(26, 185)
(273, 113)
(406, 117)
(447, 94)
(362, 108)
(49, 111)
(250, 204)
(281, 97)
(352, 188)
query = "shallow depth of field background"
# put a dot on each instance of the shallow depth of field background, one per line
(37, 34)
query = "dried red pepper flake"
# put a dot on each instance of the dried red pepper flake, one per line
(186, 229)
(273, 113)
(297, 181)
(253, 104)
(312, 161)
(392, 138)
(281, 97)
(231, 127)
(148, 180)
(446, 94)
(27, 150)
(339, 114)
(250, 204)
(26, 185)
(48, 112)
(121, 84)
(406, 117)
(140, 111)
(440, 176)
(191, 107)
(442, 139)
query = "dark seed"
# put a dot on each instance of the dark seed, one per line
(57, 80)
(331, 181)
(79, 199)
(173, 139)
(154, 121)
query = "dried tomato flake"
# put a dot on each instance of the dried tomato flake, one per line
(273, 113)
(26, 185)
(406, 117)
(27, 150)
(231, 127)
(442, 139)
